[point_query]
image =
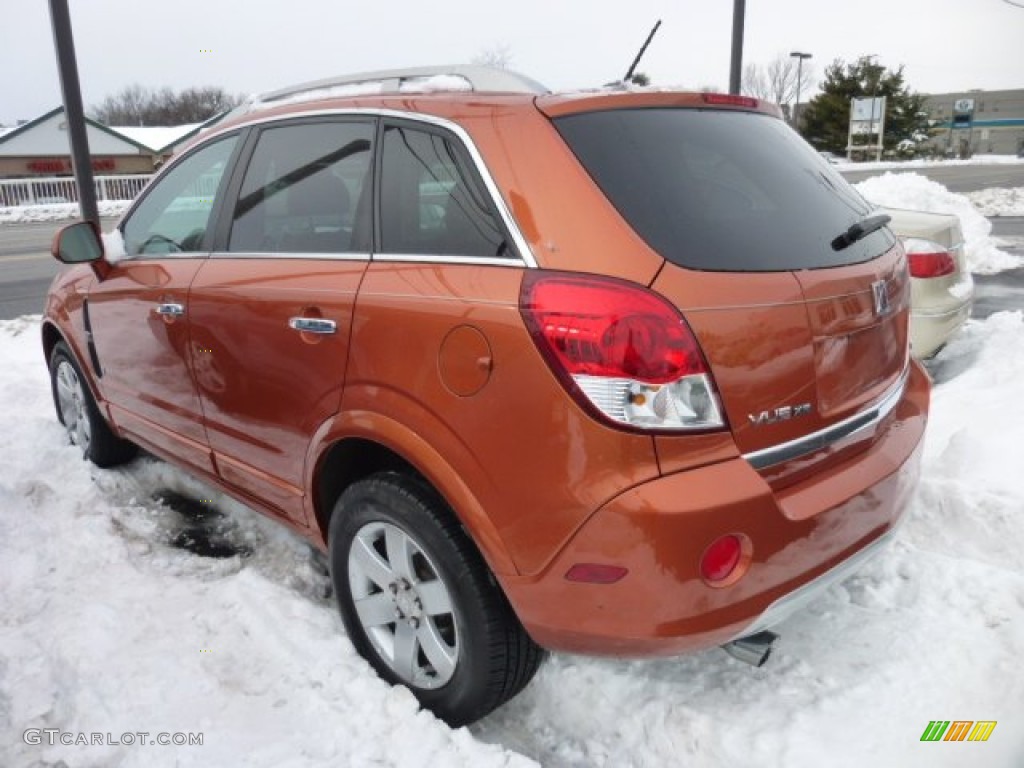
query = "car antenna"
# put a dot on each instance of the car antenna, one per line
(632, 67)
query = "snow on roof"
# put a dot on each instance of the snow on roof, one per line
(424, 84)
(155, 137)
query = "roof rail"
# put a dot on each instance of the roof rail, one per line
(392, 80)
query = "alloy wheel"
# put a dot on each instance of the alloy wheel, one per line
(73, 407)
(403, 605)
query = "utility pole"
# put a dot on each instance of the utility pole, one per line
(64, 42)
(799, 75)
(739, 10)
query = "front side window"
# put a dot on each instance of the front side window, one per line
(431, 201)
(174, 214)
(306, 190)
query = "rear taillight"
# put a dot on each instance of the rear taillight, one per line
(622, 349)
(927, 258)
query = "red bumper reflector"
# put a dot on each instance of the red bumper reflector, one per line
(721, 558)
(595, 573)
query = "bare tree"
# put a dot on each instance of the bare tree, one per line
(136, 105)
(498, 56)
(754, 82)
(776, 81)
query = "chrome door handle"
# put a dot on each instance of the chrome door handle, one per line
(170, 310)
(313, 325)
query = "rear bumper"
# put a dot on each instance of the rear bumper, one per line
(935, 315)
(802, 539)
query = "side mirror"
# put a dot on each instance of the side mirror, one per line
(78, 243)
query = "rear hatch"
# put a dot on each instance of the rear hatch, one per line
(802, 321)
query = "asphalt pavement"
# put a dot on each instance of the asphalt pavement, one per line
(26, 266)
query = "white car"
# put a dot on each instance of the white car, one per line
(941, 287)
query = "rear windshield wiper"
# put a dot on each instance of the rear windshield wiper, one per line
(860, 229)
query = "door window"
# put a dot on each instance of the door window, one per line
(174, 214)
(306, 190)
(431, 201)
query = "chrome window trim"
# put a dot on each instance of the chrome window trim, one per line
(526, 255)
(816, 441)
(292, 255)
(427, 258)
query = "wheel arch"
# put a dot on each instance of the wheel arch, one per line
(363, 444)
(52, 335)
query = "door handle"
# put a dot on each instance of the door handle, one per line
(170, 310)
(313, 325)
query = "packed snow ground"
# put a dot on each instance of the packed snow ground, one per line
(108, 626)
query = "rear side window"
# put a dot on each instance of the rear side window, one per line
(431, 201)
(306, 190)
(721, 190)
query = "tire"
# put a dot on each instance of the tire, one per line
(430, 616)
(77, 411)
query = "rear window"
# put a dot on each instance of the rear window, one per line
(721, 190)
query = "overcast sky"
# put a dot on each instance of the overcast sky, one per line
(945, 45)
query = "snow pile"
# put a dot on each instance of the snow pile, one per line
(884, 165)
(916, 192)
(106, 627)
(21, 214)
(999, 201)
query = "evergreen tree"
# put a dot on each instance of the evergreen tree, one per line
(825, 121)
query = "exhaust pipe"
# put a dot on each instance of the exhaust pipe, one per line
(753, 649)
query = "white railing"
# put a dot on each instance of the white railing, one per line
(64, 189)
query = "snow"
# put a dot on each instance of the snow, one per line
(884, 165)
(106, 627)
(155, 137)
(999, 201)
(21, 214)
(916, 192)
(427, 84)
(316, 94)
(435, 84)
(113, 246)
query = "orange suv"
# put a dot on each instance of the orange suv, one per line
(613, 372)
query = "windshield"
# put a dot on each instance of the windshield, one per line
(721, 190)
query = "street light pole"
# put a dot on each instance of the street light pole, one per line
(74, 114)
(799, 75)
(739, 11)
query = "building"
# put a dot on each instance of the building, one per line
(978, 122)
(40, 147)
